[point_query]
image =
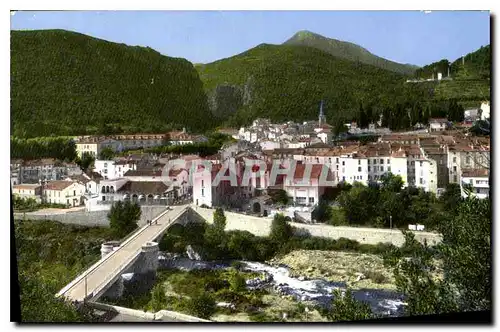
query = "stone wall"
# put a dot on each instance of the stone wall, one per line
(84, 218)
(262, 226)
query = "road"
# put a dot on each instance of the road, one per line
(112, 265)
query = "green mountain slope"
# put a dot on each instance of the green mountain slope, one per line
(287, 82)
(65, 83)
(348, 51)
(471, 78)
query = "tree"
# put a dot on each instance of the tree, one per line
(279, 197)
(123, 217)
(219, 220)
(85, 161)
(158, 298)
(345, 308)
(39, 304)
(340, 128)
(451, 198)
(236, 281)
(322, 212)
(391, 182)
(202, 306)
(281, 231)
(106, 154)
(464, 284)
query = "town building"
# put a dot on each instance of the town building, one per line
(477, 180)
(28, 191)
(438, 124)
(68, 193)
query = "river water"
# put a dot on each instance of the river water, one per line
(318, 291)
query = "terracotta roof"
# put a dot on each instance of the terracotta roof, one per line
(27, 186)
(315, 171)
(58, 185)
(475, 173)
(143, 187)
(154, 172)
(41, 162)
(80, 178)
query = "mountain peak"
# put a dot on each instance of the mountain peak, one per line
(346, 50)
(304, 34)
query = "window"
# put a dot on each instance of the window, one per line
(389, 169)
(343, 163)
(381, 168)
(337, 160)
(369, 177)
(375, 168)
(454, 168)
(311, 200)
(359, 161)
(374, 161)
(470, 181)
(337, 167)
(467, 160)
(202, 192)
(361, 177)
(381, 161)
(105, 171)
(202, 183)
(368, 168)
(388, 161)
(368, 161)
(454, 178)
(330, 160)
(454, 159)
(359, 169)
(421, 181)
(412, 163)
(74, 192)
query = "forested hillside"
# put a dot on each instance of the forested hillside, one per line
(285, 82)
(348, 51)
(69, 83)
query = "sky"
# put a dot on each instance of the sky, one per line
(414, 37)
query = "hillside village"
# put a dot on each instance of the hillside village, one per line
(304, 181)
(428, 158)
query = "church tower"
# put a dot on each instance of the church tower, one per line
(322, 118)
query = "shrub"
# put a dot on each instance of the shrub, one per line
(202, 306)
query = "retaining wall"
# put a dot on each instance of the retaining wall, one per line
(146, 315)
(84, 218)
(262, 227)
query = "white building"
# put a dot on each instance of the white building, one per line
(93, 145)
(426, 174)
(478, 179)
(485, 110)
(64, 192)
(26, 191)
(305, 191)
(438, 124)
(112, 169)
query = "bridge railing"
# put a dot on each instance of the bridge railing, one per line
(128, 262)
(79, 278)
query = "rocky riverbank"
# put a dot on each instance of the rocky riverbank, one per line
(358, 271)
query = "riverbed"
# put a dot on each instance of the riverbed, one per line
(308, 291)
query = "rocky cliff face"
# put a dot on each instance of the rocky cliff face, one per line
(226, 99)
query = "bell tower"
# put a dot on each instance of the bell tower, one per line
(322, 118)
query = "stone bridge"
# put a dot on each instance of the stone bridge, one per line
(138, 253)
